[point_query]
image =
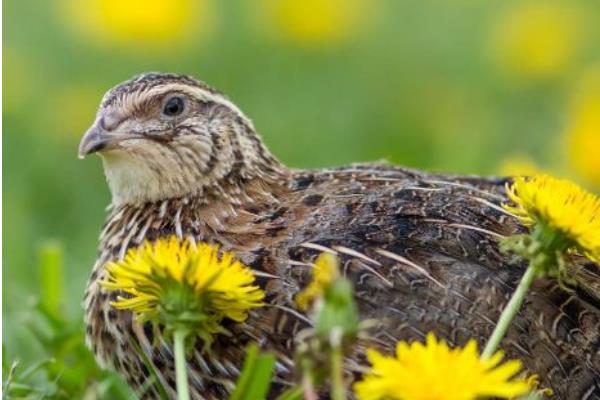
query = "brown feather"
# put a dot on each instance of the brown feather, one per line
(421, 250)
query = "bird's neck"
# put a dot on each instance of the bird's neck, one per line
(213, 216)
(231, 190)
(135, 181)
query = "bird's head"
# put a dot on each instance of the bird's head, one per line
(164, 135)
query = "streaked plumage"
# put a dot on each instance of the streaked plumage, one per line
(421, 249)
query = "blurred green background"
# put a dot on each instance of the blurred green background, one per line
(468, 86)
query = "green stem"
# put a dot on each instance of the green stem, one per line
(512, 308)
(337, 373)
(308, 386)
(183, 390)
(306, 368)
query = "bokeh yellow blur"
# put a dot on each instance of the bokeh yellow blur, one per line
(140, 23)
(460, 86)
(538, 39)
(583, 127)
(518, 165)
(314, 22)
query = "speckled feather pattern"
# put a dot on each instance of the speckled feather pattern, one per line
(421, 250)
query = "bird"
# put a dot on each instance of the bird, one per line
(421, 249)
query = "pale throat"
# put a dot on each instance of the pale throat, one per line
(141, 171)
(137, 180)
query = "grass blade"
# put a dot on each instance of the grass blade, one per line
(294, 393)
(50, 261)
(255, 380)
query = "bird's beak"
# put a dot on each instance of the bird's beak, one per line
(98, 139)
(95, 139)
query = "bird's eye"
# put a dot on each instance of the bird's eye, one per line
(174, 107)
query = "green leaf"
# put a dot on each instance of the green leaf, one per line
(50, 256)
(338, 310)
(33, 369)
(294, 393)
(255, 380)
(8, 382)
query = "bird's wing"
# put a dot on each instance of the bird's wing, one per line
(423, 253)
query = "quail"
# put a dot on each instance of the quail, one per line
(421, 249)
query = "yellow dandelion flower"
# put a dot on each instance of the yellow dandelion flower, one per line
(570, 213)
(537, 39)
(313, 23)
(534, 382)
(176, 282)
(325, 271)
(139, 23)
(583, 128)
(435, 371)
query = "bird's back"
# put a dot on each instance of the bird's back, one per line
(421, 250)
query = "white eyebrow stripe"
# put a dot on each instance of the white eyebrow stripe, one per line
(196, 92)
